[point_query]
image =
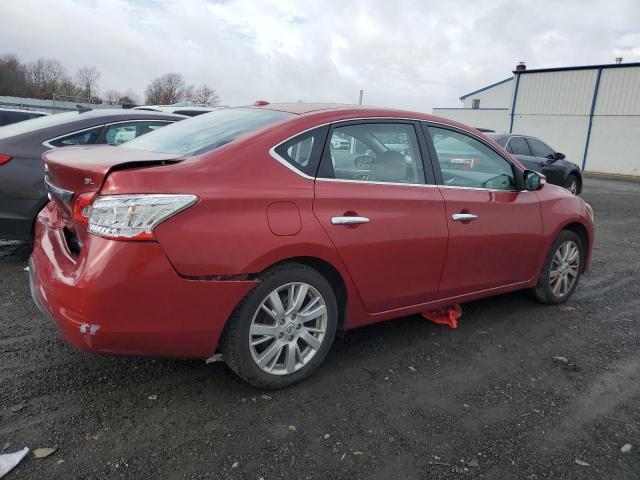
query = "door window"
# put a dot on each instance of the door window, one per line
(539, 149)
(519, 146)
(374, 152)
(86, 137)
(467, 162)
(123, 132)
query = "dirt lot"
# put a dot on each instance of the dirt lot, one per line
(404, 399)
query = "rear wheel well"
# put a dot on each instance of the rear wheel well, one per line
(581, 231)
(334, 278)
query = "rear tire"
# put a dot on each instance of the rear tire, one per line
(562, 269)
(283, 329)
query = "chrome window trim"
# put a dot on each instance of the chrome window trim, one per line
(47, 143)
(372, 182)
(284, 162)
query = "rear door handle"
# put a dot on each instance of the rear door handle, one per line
(348, 220)
(463, 217)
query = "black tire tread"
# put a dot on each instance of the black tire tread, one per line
(231, 335)
(542, 290)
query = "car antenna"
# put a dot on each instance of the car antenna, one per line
(82, 108)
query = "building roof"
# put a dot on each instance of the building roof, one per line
(578, 67)
(486, 88)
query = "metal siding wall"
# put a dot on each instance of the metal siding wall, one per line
(497, 120)
(619, 92)
(615, 145)
(556, 93)
(495, 97)
(564, 133)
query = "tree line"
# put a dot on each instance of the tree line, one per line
(47, 78)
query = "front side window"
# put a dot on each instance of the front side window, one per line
(467, 162)
(519, 146)
(303, 152)
(375, 152)
(87, 137)
(125, 132)
(539, 149)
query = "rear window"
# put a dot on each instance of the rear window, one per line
(207, 132)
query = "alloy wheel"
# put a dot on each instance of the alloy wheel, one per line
(288, 328)
(564, 268)
(572, 186)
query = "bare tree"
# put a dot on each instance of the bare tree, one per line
(205, 95)
(44, 77)
(13, 81)
(87, 78)
(112, 95)
(168, 89)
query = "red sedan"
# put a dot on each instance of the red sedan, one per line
(258, 232)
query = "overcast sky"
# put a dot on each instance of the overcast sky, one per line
(410, 54)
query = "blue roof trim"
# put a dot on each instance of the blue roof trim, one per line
(579, 67)
(486, 88)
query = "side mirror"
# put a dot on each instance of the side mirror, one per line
(556, 156)
(533, 180)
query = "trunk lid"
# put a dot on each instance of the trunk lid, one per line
(74, 175)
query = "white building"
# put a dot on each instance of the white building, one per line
(589, 113)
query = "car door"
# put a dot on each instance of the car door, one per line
(385, 217)
(554, 172)
(495, 229)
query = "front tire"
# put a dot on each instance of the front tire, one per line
(283, 329)
(571, 184)
(562, 269)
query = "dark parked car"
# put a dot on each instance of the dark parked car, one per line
(22, 189)
(536, 155)
(15, 115)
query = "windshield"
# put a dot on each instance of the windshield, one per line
(34, 124)
(207, 132)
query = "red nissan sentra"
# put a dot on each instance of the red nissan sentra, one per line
(259, 232)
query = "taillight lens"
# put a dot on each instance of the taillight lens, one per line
(80, 203)
(4, 158)
(133, 217)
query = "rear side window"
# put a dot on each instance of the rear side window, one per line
(539, 149)
(519, 146)
(125, 132)
(207, 132)
(87, 137)
(303, 152)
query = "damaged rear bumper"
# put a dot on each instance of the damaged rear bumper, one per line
(126, 298)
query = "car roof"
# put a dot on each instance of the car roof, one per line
(354, 111)
(67, 122)
(172, 108)
(23, 110)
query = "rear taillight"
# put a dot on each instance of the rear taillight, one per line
(4, 158)
(79, 205)
(132, 217)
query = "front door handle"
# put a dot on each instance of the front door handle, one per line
(463, 217)
(348, 220)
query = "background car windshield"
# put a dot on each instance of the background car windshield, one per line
(207, 132)
(34, 124)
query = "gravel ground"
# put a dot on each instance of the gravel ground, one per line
(403, 399)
